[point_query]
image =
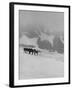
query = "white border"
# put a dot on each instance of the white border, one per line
(16, 45)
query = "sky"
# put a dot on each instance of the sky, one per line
(52, 21)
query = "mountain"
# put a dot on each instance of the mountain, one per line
(24, 40)
(41, 38)
(58, 45)
(44, 44)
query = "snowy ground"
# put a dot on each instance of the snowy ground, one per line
(41, 66)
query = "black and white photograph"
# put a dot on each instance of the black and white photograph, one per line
(41, 44)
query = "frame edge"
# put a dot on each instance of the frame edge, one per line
(40, 4)
(11, 45)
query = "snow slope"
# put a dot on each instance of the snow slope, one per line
(31, 67)
(28, 41)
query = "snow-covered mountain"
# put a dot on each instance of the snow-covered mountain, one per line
(41, 38)
(28, 41)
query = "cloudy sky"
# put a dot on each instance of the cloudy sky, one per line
(53, 21)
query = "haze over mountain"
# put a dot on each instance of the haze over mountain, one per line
(41, 21)
(42, 38)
